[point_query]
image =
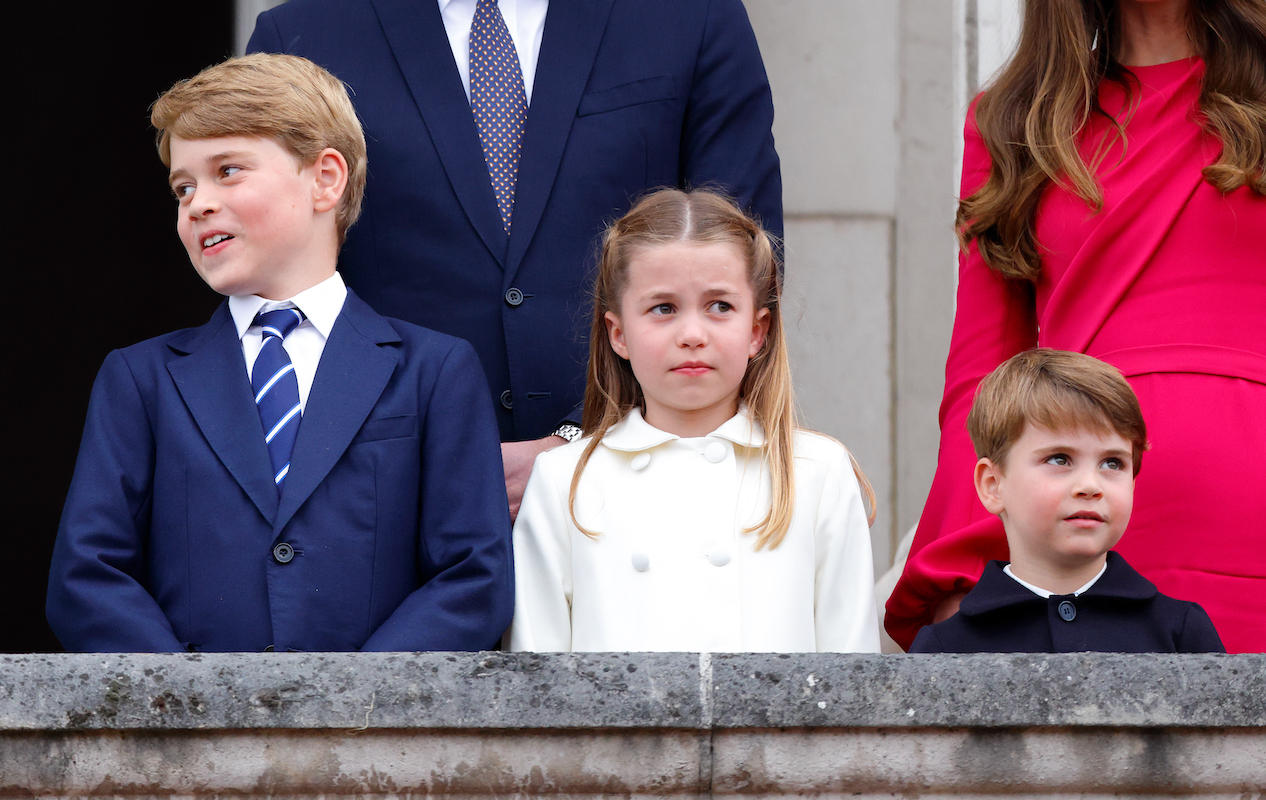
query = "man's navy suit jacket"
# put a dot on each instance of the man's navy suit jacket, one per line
(394, 507)
(629, 95)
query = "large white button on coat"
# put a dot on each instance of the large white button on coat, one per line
(640, 461)
(719, 555)
(714, 452)
(641, 561)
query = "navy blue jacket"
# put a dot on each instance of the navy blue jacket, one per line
(394, 509)
(1121, 613)
(629, 95)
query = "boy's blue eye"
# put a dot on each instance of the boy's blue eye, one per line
(1059, 460)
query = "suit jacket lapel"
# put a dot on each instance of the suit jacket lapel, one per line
(352, 375)
(415, 33)
(573, 31)
(211, 378)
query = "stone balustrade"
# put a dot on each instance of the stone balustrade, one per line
(632, 725)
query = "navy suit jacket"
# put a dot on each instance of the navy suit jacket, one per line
(394, 505)
(629, 95)
(1121, 613)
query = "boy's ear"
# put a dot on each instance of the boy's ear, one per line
(988, 484)
(760, 327)
(330, 173)
(615, 334)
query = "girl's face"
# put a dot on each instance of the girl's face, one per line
(688, 324)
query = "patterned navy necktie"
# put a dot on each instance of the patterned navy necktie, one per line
(498, 101)
(277, 389)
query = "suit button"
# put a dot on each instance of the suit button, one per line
(514, 297)
(714, 452)
(283, 553)
(640, 461)
(507, 399)
(1067, 611)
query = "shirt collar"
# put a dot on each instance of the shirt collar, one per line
(321, 304)
(634, 433)
(1040, 592)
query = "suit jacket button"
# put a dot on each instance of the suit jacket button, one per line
(714, 452)
(514, 297)
(1067, 611)
(283, 553)
(507, 399)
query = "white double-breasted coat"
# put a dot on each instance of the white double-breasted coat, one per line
(672, 568)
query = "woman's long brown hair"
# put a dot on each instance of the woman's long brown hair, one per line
(1031, 115)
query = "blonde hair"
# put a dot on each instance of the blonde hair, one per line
(700, 217)
(1058, 390)
(288, 98)
(1032, 113)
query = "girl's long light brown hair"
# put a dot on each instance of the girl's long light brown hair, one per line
(701, 217)
(1031, 115)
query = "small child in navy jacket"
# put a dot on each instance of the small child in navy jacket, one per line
(1060, 438)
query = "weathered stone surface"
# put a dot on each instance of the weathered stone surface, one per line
(998, 762)
(349, 691)
(632, 725)
(615, 690)
(392, 763)
(989, 691)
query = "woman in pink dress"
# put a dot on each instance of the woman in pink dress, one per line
(1114, 205)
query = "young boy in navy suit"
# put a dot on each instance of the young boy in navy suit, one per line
(1060, 438)
(299, 473)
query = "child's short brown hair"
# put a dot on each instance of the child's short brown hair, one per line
(1057, 390)
(288, 98)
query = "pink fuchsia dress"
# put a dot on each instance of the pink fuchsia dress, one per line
(1168, 283)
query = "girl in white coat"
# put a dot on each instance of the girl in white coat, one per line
(694, 516)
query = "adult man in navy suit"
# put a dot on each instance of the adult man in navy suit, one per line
(623, 96)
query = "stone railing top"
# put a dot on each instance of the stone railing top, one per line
(627, 690)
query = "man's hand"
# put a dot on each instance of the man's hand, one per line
(517, 459)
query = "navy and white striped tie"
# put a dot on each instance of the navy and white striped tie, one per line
(277, 389)
(498, 101)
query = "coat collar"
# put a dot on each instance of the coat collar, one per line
(997, 590)
(634, 433)
(210, 373)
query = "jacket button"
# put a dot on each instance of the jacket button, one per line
(1067, 611)
(283, 553)
(719, 556)
(514, 297)
(640, 461)
(641, 561)
(714, 452)
(507, 399)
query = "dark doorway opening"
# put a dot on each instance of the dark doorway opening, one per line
(98, 265)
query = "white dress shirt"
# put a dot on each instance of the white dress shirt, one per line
(672, 568)
(321, 305)
(524, 18)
